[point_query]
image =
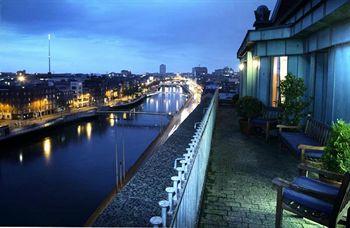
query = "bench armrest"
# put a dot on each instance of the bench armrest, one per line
(281, 126)
(281, 183)
(309, 147)
(330, 174)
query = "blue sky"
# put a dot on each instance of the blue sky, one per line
(98, 36)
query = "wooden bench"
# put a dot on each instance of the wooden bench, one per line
(308, 144)
(313, 199)
(267, 121)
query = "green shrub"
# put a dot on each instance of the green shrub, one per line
(337, 153)
(235, 99)
(248, 107)
(292, 101)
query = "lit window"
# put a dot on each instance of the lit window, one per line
(280, 67)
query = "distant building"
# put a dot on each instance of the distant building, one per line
(96, 88)
(77, 87)
(162, 69)
(126, 73)
(66, 95)
(227, 72)
(27, 101)
(199, 71)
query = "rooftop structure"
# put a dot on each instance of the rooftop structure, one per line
(309, 39)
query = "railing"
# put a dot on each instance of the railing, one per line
(181, 209)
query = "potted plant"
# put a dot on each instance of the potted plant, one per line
(336, 157)
(292, 100)
(247, 108)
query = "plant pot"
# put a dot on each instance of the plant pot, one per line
(244, 126)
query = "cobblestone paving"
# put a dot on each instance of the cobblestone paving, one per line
(238, 189)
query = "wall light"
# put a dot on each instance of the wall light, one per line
(241, 66)
(256, 63)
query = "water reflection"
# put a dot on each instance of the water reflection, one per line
(47, 148)
(88, 130)
(79, 130)
(111, 120)
(20, 157)
(68, 171)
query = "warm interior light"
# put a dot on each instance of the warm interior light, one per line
(241, 66)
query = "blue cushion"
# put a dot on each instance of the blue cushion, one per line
(316, 185)
(316, 154)
(307, 201)
(296, 138)
(260, 121)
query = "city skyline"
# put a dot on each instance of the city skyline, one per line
(99, 38)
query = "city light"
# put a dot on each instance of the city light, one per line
(21, 78)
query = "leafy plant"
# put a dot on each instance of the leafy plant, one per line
(337, 152)
(292, 101)
(235, 99)
(248, 107)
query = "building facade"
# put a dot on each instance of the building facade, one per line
(25, 102)
(162, 69)
(308, 38)
(199, 71)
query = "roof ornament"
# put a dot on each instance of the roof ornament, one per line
(262, 15)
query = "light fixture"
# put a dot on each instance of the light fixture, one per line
(241, 66)
(256, 63)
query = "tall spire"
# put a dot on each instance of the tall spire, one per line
(49, 38)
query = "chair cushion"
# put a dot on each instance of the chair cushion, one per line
(258, 121)
(293, 139)
(307, 201)
(261, 121)
(316, 185)
(314, 154)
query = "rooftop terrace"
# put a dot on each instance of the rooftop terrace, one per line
(238, 189)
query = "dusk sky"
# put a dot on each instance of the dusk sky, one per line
(93, 36)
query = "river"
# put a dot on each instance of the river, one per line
(59, 178)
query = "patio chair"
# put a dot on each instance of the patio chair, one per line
(309, 144)
(267, 121)
(317, 201)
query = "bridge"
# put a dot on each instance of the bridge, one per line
(125, 125)
(134, 112)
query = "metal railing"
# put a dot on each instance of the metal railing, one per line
(182, 207)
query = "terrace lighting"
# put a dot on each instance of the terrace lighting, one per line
(241, 66)
(256, 63)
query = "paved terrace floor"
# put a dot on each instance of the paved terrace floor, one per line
(238, 189)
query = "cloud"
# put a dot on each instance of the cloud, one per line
(136, 33)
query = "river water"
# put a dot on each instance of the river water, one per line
(61, 177)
